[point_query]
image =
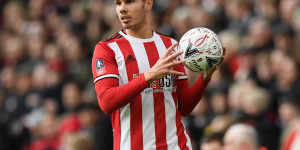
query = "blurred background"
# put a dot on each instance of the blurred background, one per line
(47, 100)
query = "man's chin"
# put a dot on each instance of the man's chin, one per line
(131, 27)
(127, 27)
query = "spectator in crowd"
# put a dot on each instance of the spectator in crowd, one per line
(78, 141)
(212, 142)
(200, 118)
(289, 115)
(241, 136)
(289, 110)
(239, 21)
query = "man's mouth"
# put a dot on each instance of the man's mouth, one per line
(125, 18)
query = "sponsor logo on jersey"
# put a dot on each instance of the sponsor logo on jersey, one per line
(163, 84)
(130, 58)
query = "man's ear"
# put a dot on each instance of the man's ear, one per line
(148, 5)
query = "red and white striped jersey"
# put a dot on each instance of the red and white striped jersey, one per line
(152, 120)
(292, 140)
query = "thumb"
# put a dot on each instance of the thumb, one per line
(209, 73)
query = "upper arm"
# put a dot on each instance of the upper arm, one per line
(104, 64)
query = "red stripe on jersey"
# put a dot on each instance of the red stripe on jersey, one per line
(167, 41)
(182, 141)
(116, 123)
(136, 119)
(159, 105)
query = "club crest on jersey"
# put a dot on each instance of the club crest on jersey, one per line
(100, 66)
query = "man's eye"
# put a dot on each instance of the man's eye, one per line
(117, 2)
(129, 1)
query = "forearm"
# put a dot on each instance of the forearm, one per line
(189, 96)
(112, 97)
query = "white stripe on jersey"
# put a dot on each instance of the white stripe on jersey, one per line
(171, 128)
(124, 111)
(123, 79)
(148, 122)
(125, 127)
(141, 55)
(188, 143)
(170, 107)
(147, 99)
(160, 46)
(106, 76)
(296, 142)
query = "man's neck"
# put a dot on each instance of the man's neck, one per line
(140, 34)
(144, 32)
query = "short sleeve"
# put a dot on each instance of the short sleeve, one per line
(104, 64)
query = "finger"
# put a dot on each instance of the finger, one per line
(169, 50)
(176, 72)
(173, 56)
(209, 73)
(172, 64)
(212, 70)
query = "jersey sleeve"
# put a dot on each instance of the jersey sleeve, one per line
(189, 96)
(111, 96)
(104, 64)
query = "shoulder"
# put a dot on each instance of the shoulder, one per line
(103, 45)
(112, 37)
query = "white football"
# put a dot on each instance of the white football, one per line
(202, 49)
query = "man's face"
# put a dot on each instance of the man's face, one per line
(131, 13)
(213, 145)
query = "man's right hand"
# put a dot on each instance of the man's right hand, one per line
(164, 65)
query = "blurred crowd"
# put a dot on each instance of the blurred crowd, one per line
(47, 100)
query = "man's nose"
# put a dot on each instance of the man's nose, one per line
(123, 8)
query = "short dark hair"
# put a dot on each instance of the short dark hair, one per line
(291, 99)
